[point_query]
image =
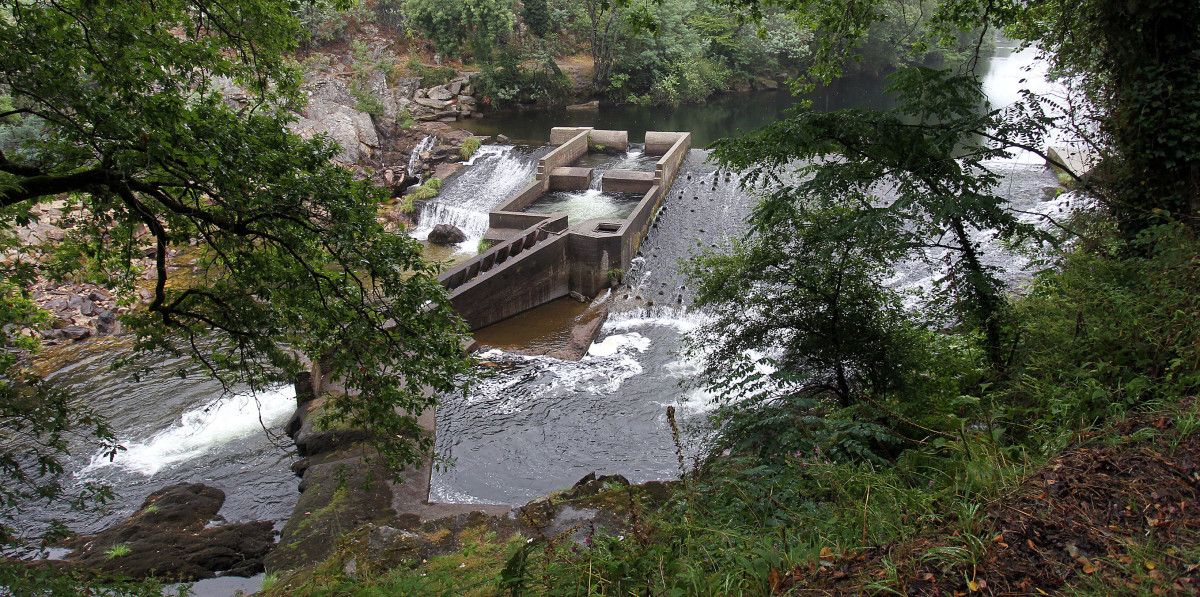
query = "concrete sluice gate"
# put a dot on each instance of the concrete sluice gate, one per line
(574, 229)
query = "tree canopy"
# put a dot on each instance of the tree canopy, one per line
(166, 125)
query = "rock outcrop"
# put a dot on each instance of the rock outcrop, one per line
(172, 536)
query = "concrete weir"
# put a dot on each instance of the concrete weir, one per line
(537, 257)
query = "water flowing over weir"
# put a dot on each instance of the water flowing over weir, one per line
(490, 177)
(538, 424)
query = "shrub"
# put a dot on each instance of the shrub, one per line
(1108, 334)
(430, 75)
(428, 190)
(469, 147)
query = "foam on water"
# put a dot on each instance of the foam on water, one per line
(488, 179)
(202, 430)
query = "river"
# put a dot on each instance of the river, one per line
(528, 429)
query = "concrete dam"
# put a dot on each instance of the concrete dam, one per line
(573, 230)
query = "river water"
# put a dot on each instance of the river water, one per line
(537, 424)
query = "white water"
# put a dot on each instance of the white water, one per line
(414, 158)
(202, 430)
(488, 179)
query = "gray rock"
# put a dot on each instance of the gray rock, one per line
(432, 103)
(406, 87)
(440, 93)
(455, 87)
(467, 100)
(76, 332)
(446, 234)
(468, 90)
(173, 539)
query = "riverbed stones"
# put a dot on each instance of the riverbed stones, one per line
(172, 536)
(446, 234)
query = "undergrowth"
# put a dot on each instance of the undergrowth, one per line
(1109, 334)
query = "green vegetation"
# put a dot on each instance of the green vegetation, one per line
(292, 262)
(868, 441)
(428, 190)
(429, 75)
(119, 550)
(469, 147)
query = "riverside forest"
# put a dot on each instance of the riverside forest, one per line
(599, 297)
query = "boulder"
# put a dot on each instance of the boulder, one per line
(441, 92)
(455, 87)
(436, 104)
(446, 234)
(172, 537)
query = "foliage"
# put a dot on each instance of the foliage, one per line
(428, 190)
(456, 25)
(119, 550)
(430, 75)
(1134, 65)
(469, 147)
(292, 263)
(1107, 335)
(507, 82)
(390, 13)
(22, 579)
(329, 21)
(536, 15)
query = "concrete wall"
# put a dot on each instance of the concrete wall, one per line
(626, 181)
(562, 134)
(565, 178)
(668, 165)
(533, 277)
(564, 155)
(615, 140)
(513, 276)
(545, 261)
(592, 255)
(527, 195)
(659, 143)
(515, 219)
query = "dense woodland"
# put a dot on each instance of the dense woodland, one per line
(976, 438)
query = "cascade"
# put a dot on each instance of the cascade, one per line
(414, 158)
(493, 174)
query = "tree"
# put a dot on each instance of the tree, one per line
(455, 25)
(939, 189)
(1135, 64)
(120, 111)
(537, 16)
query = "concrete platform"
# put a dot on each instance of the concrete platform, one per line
(565, 178)
(627, 181)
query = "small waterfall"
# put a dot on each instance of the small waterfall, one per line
(494, 173)
(414, 158)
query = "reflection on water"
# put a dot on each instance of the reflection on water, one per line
(718, 117)
(537, 330)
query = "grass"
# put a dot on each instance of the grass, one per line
(119, 550)
(469, 147)
(428, 190)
